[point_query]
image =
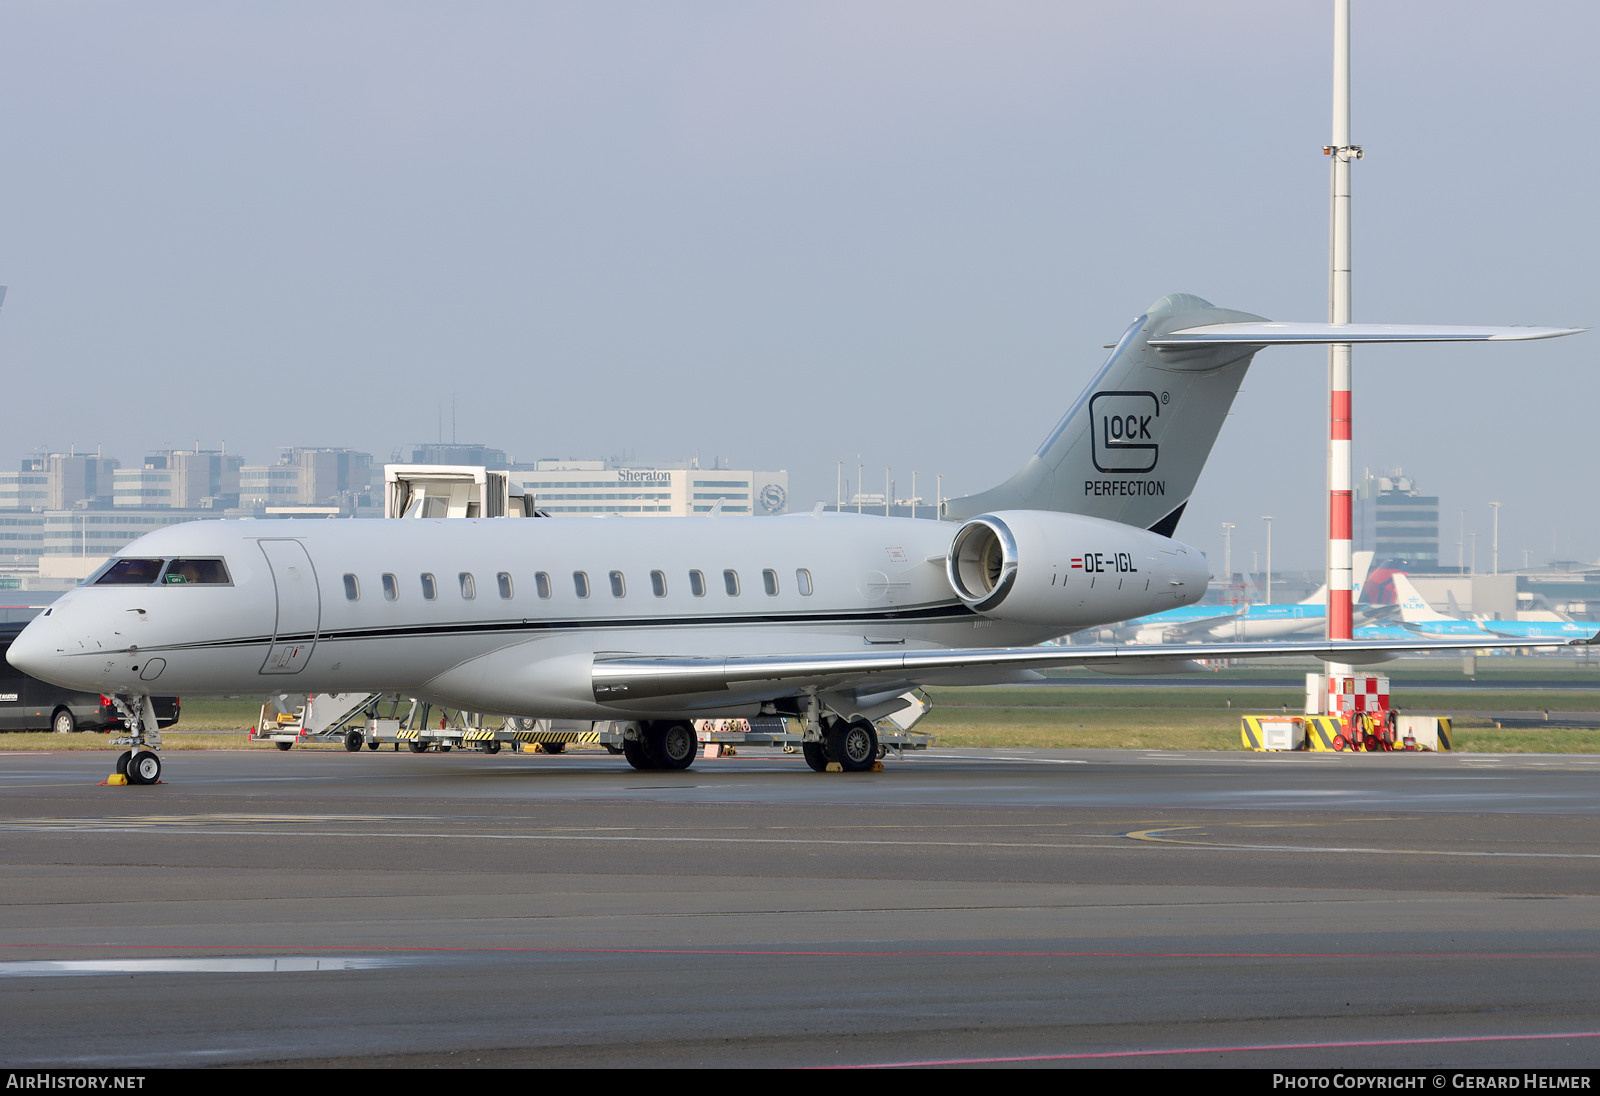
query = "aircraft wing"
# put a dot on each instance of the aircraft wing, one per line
(624, 677)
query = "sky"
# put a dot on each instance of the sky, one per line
(797, 234)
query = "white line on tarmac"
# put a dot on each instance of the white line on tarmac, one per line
(1168, 843)
(239, 964)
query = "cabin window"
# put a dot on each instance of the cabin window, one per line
(619, 586)
(352, 588)
(697, 583)
(658, 583)
(391, 588)
(188, 572)
(730, 582)
(504, 579)
(802, 581)
(769, 582)
(469, 588)
(129, 572)
(430, 588)
(580, 583)
(541, 584)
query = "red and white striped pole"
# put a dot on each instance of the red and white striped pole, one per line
(1340, 510)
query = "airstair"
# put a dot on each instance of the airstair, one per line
(289, 718)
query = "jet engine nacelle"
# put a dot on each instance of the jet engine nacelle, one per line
(1069, 571)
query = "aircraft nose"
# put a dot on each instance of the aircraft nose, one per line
(34, 652)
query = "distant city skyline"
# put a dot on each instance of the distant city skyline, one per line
(796, 234)
(1453, 547)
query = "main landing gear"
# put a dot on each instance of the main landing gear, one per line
(661, 745)
(141, 764)
(852, 744)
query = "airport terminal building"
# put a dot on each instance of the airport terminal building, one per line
(62, 514)
(607, 487)
(1396, 521)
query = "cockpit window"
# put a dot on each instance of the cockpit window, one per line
(209, 572)
(128, 572)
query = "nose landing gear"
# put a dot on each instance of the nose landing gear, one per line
(141, 764)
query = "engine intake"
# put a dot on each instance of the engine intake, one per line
(982, 564)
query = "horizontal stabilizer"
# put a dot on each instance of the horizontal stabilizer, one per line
(1267, 333)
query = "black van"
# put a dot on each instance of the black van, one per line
(28, 704)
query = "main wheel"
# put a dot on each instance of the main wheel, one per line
(552, 747)
(854, 745)
(144, 768)
(492, 746)
(816, 756)
(122, 762)
(638, 755)
(673, 744)
(372, 745)
(62, 722)
(418, 746)
(284, 745)
(354, 740)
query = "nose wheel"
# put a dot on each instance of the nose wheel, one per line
(144, 767)
(141, 764)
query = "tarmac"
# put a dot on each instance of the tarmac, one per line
(982, 907)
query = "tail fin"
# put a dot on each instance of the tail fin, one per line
(1132, 446)
(1414, 608)
(1360, 564)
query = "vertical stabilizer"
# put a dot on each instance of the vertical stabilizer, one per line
(1131, 447)
(1361, 564)
(1414, 608)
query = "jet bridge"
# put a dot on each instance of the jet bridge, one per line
(452, 491)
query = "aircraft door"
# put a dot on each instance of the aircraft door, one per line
(299, 606)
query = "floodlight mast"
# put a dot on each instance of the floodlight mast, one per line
(1340, 508)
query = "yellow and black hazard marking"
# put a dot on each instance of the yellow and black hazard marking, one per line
(557, 736)
(1326, 733)
(1253, 730)
(1250, 732)
(479, 736)
(407, 736)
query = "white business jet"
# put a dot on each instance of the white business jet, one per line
(658, 621)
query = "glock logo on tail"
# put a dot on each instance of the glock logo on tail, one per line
(1123, 425)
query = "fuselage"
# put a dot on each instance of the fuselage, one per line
(507, 615)
(1540, 629)
(1259, 622)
